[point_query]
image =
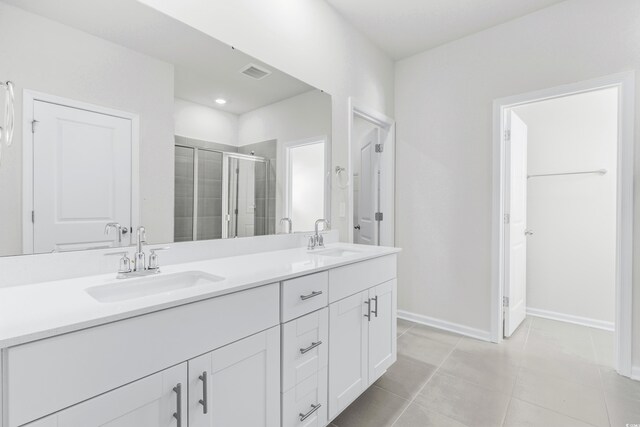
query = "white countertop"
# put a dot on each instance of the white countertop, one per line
(42, 310)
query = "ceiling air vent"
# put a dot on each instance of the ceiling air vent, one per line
(255, 72)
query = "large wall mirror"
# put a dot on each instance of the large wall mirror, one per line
(126, 117)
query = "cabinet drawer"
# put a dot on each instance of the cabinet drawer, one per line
(304, 294)
(354, 278)
(48, 375)
(300, 402)
(304, 347)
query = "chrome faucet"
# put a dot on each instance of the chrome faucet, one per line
(139, 258)
(287, 220)
(119, 231)
(138, 266)
(317, 240)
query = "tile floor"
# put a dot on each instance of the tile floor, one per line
(549, 374)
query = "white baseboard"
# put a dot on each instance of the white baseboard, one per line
(635, 373)
(569, 318)
(447, 326)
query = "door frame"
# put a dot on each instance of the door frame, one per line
(625, 82)
(388, 185)
(29, 98)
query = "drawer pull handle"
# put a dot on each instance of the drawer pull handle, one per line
(376, 310)
(313, 409)
(204, 401)
(311, 347)
(311, 295)
(368, 315)
(178, 414)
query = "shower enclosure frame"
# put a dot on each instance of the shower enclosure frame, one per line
(226, 155)
(226, 215)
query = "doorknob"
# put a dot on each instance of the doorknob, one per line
(528, 232)
(357, 227)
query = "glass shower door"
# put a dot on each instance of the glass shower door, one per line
(246, 196)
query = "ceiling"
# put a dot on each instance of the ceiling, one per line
(403, 28)
(208, 69)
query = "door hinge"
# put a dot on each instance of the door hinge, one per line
(505, 301)
(33, 217)
(507, 135)
(379, 148)
(379, 216)
(34, 124)
(507, 218)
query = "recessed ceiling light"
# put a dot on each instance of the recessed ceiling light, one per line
(221, 101)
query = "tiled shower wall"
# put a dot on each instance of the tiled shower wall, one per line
(210, 188)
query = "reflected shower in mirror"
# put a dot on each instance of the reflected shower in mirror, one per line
(118, 128)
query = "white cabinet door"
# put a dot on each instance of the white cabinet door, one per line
(158, 400)
(382, 329)
(348, 348)
(242, 384)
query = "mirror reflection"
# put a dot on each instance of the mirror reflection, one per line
(126, 117)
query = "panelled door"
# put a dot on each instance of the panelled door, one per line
(81, 177)
(158, 400)
(237, 385)
(348, 360)
(382, 329)
(368, 193)
(515, 291)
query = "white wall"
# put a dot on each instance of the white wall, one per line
(444, 113)
(571, 257)
(308, 40)
(45, 56)
(298, 118)
(205, 123)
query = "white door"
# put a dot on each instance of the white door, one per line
(382, 329)
(81, 177)
(242, 384)
(368, 193)
(149, 402)
(348, 351)
(515, 237)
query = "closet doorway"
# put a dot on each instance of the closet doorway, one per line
(562, 204)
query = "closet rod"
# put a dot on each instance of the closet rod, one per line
(599, 172)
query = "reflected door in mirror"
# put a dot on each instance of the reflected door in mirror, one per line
(81, 177)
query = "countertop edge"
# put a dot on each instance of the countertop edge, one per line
(13, 341)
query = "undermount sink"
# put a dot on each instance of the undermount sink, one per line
(335, 252)
(128, 289)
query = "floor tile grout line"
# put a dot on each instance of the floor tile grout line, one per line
(562, 379)
(515, 381)
(604, 397)
(405, 331)
(427, 382)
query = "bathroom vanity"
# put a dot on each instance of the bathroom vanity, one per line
(281, 338)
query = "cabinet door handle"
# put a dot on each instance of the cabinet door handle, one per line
(204, 401)
(368, 315)
(313, 409)
(178, 414)
(311, 347)
(311, 295)
(376, 310)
